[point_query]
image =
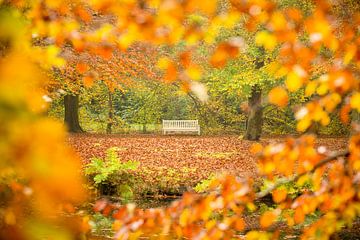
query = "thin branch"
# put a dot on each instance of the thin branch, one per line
(298, 176)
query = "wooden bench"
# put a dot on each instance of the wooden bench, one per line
(180, 126)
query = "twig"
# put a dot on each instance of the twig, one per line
(298, 176)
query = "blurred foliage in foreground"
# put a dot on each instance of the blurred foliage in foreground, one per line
(316, 51)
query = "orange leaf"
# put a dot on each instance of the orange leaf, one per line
(344, 114)
(267, 219)
(278, 96)
(78, 44)
(88, 81)
(239, 224)
(171, 73)
(224, 52)
(83, 14)
(82, 67)
(256, 148)
(185, 59)
(299, 216)
(279, 195)
(104, 52)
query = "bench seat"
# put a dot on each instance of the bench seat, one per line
(172, 126)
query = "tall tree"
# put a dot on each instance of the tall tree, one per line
(71, 104)
(254, 121)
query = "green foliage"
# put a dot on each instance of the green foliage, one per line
(103, 169)
(101, 225)
(204, 185)
(293, 189)
(110, 175)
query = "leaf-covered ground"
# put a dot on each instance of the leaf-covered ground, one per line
(176, 163)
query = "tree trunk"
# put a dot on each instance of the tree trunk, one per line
(144, 128)
(255, 118)
(71, 103)
(111, 114)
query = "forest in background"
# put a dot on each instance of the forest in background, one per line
(129, 93)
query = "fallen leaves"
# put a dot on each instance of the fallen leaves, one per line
(189, 159)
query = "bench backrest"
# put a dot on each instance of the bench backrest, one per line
(180, 124)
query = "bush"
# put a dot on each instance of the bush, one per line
(111, 176)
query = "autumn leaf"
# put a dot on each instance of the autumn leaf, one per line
(355, 101)
(267, 219)
(239, 224)
(83, 14)
(266, 39)
(299, 216)
(82, 67)
(311, 88)
(278, 21)
(88, 80)
(256, 148)
(293, 82)
(279, 195)
(170, 73)
(345, 113)
(226, 51)
(278, 96)
(185, 59)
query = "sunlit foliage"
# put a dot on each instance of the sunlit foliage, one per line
(318, 52)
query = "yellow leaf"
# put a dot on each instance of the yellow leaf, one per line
(135, 235)
(278, 21)
(293, 81)
(183, 220)
(310, 88)
(349, 53)
(194, 72)
(269, 167)
(163, 63)
(303, 124)
(325, 120)
(322, 89)
(355, 101)
(251, 207)
(210, 224)
(265, 39)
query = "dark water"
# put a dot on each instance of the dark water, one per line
(145, 202)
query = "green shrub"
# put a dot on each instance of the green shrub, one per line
(111, 176)
(204, 185)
